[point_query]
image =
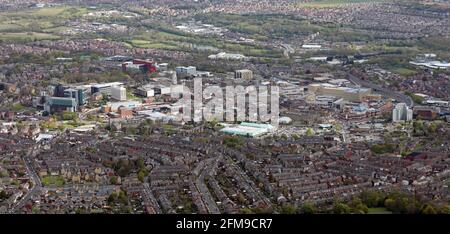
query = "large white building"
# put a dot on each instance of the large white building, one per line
(227, 56)
(119, 93)
(127, 104)
(401, 112)
(105, 88)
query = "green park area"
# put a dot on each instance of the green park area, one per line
(53, 180)
(379, 210)
(332, 3)
(36, 24)
(26, 36)
(166, 37)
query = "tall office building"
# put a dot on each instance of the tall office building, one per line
(59, 90)
(401, 112)
(174, 78)
(77, 94)
(81, 97)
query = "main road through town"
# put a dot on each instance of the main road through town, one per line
(400, 97)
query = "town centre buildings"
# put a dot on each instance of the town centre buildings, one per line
(350, 94)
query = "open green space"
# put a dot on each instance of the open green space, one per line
(379, 210)
(332, 3)
(26, 36)
(404, 71)
(165, 37)
(53, 180)
(149, 44)
(36, 24)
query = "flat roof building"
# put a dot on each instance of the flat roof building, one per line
(55, 104)
(243, 74)
(185, 72)
(350, 94)
(248, 129)
(119, 93)
(105, 88)
(128, 104)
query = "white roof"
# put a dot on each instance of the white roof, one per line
(103, 85)
(43, 136)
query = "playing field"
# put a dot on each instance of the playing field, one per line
(27, 36)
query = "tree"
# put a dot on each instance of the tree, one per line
(112, 198)
(371, 198)
(246, 211)
(358, 206)
(308, 208)
(140, 163)
(341, 208)
(113, 180)
(429, 209)
(3, 195)
(418, 128)
(432, 127)
(390, 204)
(288, 209)
(309, 132)
(66, 115)
(382, 148)
(445, 209)
(123, 198)
(141, 175)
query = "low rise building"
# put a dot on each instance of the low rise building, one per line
(55, 104)
(350, 94)
(426, 112)
(243, 74)
(186, 72)
(105, 88)
(119, 93)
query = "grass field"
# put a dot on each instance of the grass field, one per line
(48, 12)
(165, 38)
(404, 71)
(43, 23)
(152, 45)
(24, 36)
(379, 210)
(53, 180)
(332, 3)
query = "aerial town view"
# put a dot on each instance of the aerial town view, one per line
(224, 107)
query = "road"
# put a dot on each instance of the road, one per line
(37, 184)
(384, 91)
(85, 114)
(208, 168)
(344, 132)
(287, 50)
(150, 197)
